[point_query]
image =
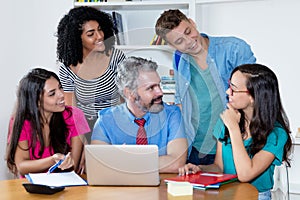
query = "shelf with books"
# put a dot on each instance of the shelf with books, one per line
(157, 40)
(121, 37)
(162, 55)
(168, 84)
(139, 17)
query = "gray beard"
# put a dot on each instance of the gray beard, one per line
(154, 108)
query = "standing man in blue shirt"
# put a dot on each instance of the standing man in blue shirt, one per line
(139, 84)
(202, 67)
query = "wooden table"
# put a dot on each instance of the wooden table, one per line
(13, 190)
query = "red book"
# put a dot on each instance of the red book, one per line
(203, 179)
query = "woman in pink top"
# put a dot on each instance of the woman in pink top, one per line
(44, 130)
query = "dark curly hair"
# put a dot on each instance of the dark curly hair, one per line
(69, 30)
(262, 85)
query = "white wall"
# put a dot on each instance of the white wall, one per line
(27, 40)
(272, 29)
(270, 26)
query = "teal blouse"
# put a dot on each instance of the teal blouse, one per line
(275, 145)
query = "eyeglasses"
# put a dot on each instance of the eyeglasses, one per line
(236, 91)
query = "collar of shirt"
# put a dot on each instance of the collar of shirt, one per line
(132, 117)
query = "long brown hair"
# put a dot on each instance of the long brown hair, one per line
(268, 112)
(30, 93)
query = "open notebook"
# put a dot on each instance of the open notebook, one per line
(135, 165)
(56, 179)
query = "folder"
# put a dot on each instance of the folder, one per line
(204, 179)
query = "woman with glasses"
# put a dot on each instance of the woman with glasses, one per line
(253, 133)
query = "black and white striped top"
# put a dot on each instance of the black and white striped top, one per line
(96, 94)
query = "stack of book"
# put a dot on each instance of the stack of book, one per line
(204, 180)
(168, 84)
(157, 40)
(119, 29)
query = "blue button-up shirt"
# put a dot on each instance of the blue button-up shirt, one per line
(224, 54)
(116, 125)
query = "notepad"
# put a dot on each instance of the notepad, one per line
(204, 180)
(56, 179)
(180, 188)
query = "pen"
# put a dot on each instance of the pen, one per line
(53, 167)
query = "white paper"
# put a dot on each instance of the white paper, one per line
(56, 179)
(180, 188)
(211, 174)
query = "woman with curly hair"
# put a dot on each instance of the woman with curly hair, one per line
(88, 60)
(254, 134)
(43, 130)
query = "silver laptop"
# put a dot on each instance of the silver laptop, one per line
(135, 165)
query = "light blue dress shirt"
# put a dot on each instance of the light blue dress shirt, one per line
(115, 125)
(224, 54)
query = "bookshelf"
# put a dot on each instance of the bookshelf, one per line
(139, 18)
(162, 54)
